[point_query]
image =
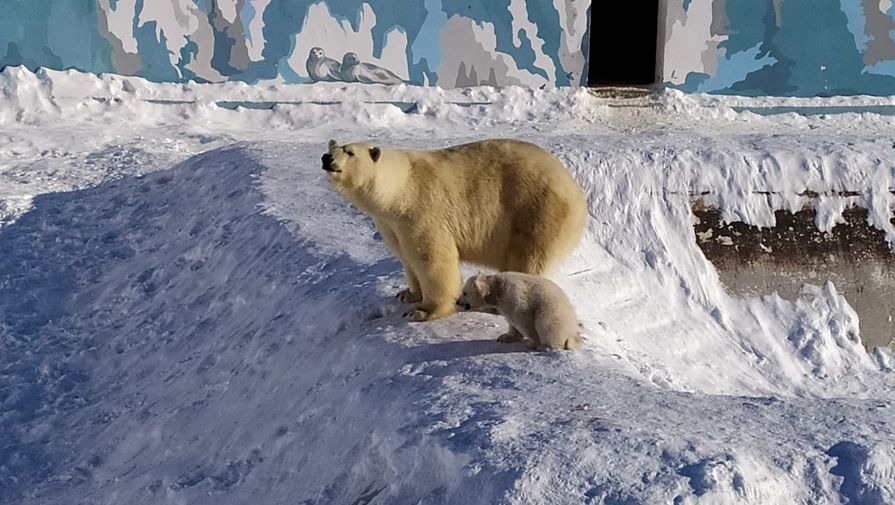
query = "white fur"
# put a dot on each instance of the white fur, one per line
(536, 308)
(505, 204)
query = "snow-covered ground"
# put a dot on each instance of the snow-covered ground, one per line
(189, 314)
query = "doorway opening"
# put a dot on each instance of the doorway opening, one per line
(623, 43)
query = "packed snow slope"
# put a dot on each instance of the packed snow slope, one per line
(189, 313)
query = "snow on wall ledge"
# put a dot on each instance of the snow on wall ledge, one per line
(781, 47)
(445, 42)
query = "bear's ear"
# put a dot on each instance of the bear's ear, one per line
(332, 143)
(375, 152)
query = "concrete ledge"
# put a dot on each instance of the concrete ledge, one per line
(853, 255)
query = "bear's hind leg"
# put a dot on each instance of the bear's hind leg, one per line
(541, 244)
(528, 259)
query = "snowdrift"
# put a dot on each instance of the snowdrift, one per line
(224, 330)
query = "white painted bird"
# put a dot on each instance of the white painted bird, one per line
(354, 71)
(322, 68)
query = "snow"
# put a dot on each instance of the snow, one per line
(189, 314)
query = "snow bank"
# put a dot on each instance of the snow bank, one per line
(149, 365)
(189, 314)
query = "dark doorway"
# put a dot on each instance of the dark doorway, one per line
(623, 38)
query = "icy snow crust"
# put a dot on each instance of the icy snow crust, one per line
(189, 314)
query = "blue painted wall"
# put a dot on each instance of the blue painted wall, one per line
(54, 34)
(781, 47)
(750, 47)
(445, 42)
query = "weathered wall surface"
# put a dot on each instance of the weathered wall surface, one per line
(853, 255)
(446, 42)
(781, 47)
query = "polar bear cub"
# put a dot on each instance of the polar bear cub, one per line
(505, 204)
(535, 308)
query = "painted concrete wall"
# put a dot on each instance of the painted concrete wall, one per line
(781, 47)
(446, 42)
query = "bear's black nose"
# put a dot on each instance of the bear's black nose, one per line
(327, 162)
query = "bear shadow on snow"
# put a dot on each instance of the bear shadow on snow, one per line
(458, 349)
(139, 279)
(109, 292)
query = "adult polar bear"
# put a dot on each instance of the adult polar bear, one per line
(505, 204)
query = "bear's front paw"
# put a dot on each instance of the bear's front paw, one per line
(408, 296)
(429, 312)
(417, 315)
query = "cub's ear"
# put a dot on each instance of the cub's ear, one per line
(485, 286)
(375, 152)
(332, 143)
(481, 284)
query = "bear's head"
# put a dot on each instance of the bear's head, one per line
(477, 295)
(352, 167)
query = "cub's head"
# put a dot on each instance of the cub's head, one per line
(352, 167)
(477, 296)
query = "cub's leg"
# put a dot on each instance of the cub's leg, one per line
(523, 332)
(413, 293)
(512, 335)
(437, 265)
(555, 333)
